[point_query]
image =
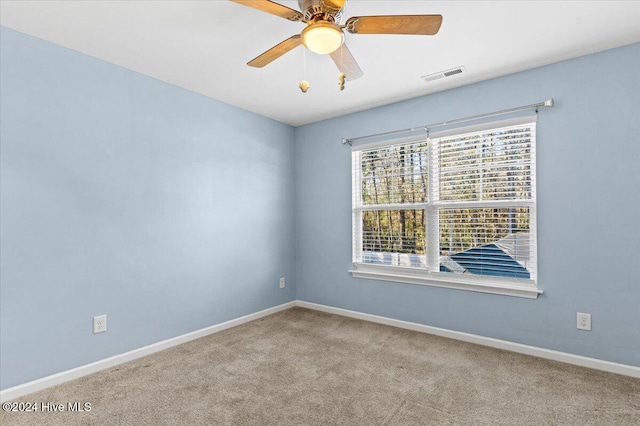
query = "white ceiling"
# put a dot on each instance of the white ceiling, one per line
(204, 45)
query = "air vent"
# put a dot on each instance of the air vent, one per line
(443, 74)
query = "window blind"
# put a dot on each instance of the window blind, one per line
(461, 204)
(489, 165)
(490, 173)
(384, 177)
(395, 174)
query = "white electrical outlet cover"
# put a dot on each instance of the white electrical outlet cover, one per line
(584, 321)
(281, 282)
(99, 324)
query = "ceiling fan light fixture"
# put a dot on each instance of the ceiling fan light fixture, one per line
(322, 37)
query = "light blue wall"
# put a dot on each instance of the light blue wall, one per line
(122, 195)
(125, 196)
(588, 204)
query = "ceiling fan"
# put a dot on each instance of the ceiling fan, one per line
(325, 35)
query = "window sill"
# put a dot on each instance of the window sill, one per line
(527, 289)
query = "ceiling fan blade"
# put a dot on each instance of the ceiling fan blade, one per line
(394, 24)
(346, 63)
(273, 8)
(276, 51)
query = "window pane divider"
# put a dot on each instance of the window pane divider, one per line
(484, 203)
(395, 206)
(447, 204)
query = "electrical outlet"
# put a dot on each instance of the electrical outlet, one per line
(99, 324)
(584, 321)
(282, 282)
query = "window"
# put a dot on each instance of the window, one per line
(456, 209)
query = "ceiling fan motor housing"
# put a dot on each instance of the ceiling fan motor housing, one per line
(322, 10)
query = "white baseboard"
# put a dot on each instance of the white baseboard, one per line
(597, 364)
(65, 376)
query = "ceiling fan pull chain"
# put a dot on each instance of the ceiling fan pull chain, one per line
(304, 84)
(342, 76)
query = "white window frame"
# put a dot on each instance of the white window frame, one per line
(431, 276)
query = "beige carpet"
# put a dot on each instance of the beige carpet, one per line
(301, 367)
